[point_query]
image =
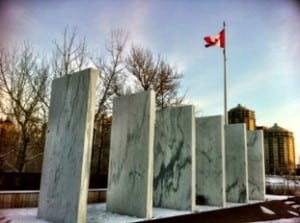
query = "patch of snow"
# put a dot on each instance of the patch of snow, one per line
(255, 201)
(275, 180)
(21, 215)
(295, 205)
(204, 208)
(289, 220)
(289, 202)
(293, 213)
(267, 210)
(231, 204)
(270, 197)
(163, 212)
(97, 213)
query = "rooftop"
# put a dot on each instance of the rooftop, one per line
(239, 107)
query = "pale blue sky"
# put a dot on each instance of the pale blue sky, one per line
(263, 46)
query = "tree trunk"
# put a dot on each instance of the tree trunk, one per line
(23, 151)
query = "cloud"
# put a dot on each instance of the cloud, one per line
(19, 21)
(129, 16)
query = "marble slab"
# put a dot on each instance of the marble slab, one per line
(130, 179)
(210, 161)
(67, 155)
(174, 158)
(256, 167)
(236, 163)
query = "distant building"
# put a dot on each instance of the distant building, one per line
(278, 142)
(242, 114)
(279, 151)
(8, 138)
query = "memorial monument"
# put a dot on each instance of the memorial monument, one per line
(130, 187)
(67, 155)
(174, 158)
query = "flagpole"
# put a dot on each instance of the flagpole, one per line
(225, 79)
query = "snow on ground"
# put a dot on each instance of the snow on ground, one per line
(275, 181)
(97, 213)
(267, 210)
(20, 215)
(296, 206)
(289, 220)
(272, 197)
(294, 213)
(163, 213)
(204, 208)
(289, 202)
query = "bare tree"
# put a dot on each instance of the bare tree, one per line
(23, 81)
(141, 64)
(156, 74)
(69, 55)
(166, 86)
(111, 84)
(111, 72)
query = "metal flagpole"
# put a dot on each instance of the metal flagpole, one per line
(225, 78)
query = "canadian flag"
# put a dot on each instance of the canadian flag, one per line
(218, 40)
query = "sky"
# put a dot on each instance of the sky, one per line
(262, 45)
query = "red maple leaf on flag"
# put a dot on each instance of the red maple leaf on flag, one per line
(218, 40)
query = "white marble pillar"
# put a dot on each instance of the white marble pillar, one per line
(174, 158)
(130, 177)
(210, 160)
(236, 163)
(67, 155)
(256, 167)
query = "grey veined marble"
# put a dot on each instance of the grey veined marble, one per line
(67, 155)
(236, 163)
(210, 161)
(131, 155)
(174, 158)
(256, 165)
